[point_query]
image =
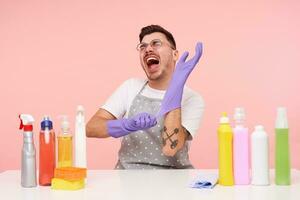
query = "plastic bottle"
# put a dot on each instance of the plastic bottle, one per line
(225, 136)
(47, 152)
(28, 170)
(65, 148)
(260, 156)
(80, 138)
(282, 156)
(240, 149)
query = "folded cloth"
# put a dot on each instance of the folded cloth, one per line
(204, 181)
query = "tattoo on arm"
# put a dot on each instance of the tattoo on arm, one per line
(173, 143)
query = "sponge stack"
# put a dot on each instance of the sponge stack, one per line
(69, 178)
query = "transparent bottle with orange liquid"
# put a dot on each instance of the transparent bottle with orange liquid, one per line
(47, 152)
(65, 147)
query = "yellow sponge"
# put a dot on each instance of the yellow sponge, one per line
(61, 184)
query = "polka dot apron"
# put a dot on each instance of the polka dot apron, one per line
(143, 149)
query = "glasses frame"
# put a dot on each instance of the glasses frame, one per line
(138, 47)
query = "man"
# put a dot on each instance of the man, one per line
(156, 117)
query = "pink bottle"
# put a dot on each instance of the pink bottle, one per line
(240, 149)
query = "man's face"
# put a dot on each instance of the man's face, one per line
(157, 60)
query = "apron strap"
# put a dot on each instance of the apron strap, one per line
(143, 87)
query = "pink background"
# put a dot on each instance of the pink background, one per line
(57, 54)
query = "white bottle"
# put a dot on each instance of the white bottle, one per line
(260, 156)
(80, 138)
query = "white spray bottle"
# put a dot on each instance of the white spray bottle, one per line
(28, 170)
(80, 138)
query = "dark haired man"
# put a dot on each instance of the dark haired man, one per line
(156, 117)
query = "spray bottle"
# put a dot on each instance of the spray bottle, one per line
(260, 156)
(47, 152)
(225, 136)
(80, 138)
(240, 149)
(28, 170)
(282, 158)
(65, 148)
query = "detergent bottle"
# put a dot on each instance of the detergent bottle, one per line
(65, 148)
(260, 156)
(282, 156)
(80, 138)
(225, 136)
(240, 149)
(28, 170)
(47, 152)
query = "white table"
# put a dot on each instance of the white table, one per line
(147, 184)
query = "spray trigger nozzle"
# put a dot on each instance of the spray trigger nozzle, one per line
(26, 122)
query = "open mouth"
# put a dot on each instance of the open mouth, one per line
(152, 63)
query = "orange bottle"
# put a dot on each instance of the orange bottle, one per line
(47, 152)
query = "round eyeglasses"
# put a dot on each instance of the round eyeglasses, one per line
(155, 44)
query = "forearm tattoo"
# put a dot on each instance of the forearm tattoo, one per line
(174, 143)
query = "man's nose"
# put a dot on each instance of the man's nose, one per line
(149, 48)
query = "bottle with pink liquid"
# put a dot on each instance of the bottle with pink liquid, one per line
(240, 149)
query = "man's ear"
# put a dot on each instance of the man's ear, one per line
(175, 55)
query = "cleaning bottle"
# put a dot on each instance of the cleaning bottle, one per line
(260, 156)
(80, 138)
(240, 149)
(28, 170)
(47, 152)
(65, 148)
(225, 136)
(282, 157)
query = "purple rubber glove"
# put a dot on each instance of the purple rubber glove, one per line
(173, 95)
(121, 127)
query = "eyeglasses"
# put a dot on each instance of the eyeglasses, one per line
(155, 44)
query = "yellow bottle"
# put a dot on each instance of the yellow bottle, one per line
(65, 147)
(225, 136)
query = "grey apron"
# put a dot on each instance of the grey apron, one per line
(143, 149)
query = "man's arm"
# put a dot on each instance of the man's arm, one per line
(173, 133)
(97, 125)
(103, 124)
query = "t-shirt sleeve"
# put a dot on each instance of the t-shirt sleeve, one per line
(116, 104)
(192, 113)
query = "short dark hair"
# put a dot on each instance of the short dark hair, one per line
(156, 28)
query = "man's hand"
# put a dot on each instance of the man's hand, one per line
(173, 96)
(121, 127)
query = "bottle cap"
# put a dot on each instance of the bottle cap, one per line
(65, 125)
(46, 123)
(281, 120)
(80, 114)
(259, 128)
(26, 122)
(224, 119)
(80, 108)
(239, 114)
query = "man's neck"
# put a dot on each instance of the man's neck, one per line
(159, 84)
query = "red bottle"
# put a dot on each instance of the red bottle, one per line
(47, 152)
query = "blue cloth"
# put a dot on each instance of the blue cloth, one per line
(204, 181)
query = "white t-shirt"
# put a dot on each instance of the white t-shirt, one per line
(192, 105)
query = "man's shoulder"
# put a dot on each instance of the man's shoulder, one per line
(132, 86)
(134, 82)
